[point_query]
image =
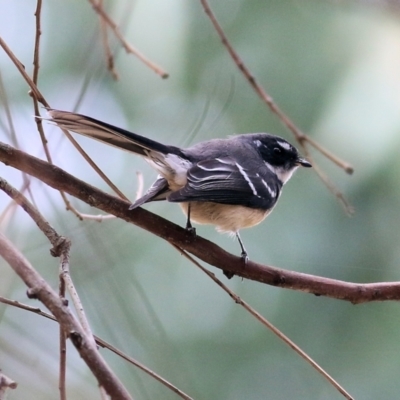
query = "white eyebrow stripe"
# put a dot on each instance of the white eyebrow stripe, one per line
(246, 177)
(270, 191)
(285, 145)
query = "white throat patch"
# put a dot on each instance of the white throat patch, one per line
(283, 174)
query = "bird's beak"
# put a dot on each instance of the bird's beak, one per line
(303, 162)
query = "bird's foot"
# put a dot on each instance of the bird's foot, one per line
(191, 229)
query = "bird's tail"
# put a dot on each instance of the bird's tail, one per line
(109, 134)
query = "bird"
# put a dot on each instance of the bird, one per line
(232, 183)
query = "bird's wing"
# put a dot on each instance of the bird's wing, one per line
(222, 180)
(157, 191)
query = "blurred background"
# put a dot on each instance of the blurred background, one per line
(334, 68)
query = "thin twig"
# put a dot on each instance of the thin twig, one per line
(22, 306)
(349, 209)
(298, 134)
(102, 343)
(63, 347)
(93, 164)
(102, 217)
(21, 69)
(11, 206)
(35, 93)
(14, 140)
(6, 383)
(39, 97)
(69, 284)
(36, 67)
(335, 159)
(268, 324)
(36, 55)
(106, 45)
(127, 46)
(61, 248)
(40, 289)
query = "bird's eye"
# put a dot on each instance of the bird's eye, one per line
(277, 150)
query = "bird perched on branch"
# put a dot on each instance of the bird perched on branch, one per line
(232, 183)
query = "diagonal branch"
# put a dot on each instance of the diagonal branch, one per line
(97, 6)
(103, 344)
(270, 326)
(40, 289)
(199, 247)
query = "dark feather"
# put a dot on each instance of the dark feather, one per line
(222, 180)
(109, 134)
(157, 191)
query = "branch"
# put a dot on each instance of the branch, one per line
(40, 289)
(97, 6)
(199, 247)
(106, 345)
(238, 300)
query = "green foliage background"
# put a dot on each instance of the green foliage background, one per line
(334, 67)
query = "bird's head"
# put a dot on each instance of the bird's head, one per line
(279, 155)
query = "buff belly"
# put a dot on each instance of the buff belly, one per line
(227, 218)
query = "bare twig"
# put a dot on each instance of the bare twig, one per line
(14, 141)
(335, 159)
(61, 248)
(39, 97)
(43, 225)
(106, 45)
(63, 348)
(93, 164)
(22, 306)
(347, 207)
(40, 289)
(64, 273)
(6, 383)
(21, 69)
(268, 324)
(339, 195)
(105, 345)
(205, 250)
(298, 134)
(127, 46)
(37, 41)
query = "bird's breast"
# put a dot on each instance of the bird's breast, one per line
(226, 217)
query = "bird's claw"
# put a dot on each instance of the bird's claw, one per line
(244, 257)
(191, 230)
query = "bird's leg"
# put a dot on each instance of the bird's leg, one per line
(244, 252)
(189, 226)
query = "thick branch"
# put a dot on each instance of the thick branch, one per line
(40, 289)
(199, 247)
